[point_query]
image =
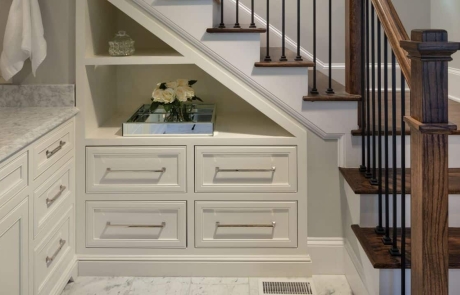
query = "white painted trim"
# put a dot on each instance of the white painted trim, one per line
(198, 258)
(3, 81)
(358, 286)
(235, 71)
(327, 255)
(454, 84)
(69, 272)
(326, 242)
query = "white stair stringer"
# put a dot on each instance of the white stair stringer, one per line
(236, 54)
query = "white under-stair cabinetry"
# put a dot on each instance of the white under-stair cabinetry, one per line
(231, 204)
(37, 215)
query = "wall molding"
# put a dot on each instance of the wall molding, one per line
(356, 266)
(454, 84)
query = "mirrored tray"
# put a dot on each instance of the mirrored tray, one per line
(146, 123)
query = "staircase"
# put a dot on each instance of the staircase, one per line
(365, 116)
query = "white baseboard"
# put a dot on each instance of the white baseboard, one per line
(195, 266)
(327, 255)
(70, 272)
(354, 271)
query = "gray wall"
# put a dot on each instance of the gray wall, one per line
(445, 14)
(59, 25)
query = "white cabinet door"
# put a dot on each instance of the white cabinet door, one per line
(14, 249)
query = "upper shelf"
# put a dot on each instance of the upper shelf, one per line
(141, 57)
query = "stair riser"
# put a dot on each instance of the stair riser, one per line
(369, 210)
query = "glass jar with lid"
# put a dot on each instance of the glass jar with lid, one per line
(121, 45)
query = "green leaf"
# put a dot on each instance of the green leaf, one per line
(154, 106)
(197, 98)
(191, 82)
(163, 86)
(168, 107)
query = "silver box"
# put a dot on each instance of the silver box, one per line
(146, 123)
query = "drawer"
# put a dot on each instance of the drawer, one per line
(136, 224)
(135, 169)
(52, 194)
(245, 169)
(52, 147)
(13, 177)
(53, 254)
(245, 224)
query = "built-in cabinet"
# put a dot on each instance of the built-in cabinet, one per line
(231, 204)
(37, 215)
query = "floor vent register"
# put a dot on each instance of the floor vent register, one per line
(286, 287)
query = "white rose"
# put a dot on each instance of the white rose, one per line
(157, 95)
(172, 84)
(189, 92)
(169, 95)
(182, 82)
(181, 94)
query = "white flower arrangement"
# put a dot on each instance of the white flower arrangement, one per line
(172, 96)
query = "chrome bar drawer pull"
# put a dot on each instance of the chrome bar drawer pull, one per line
(50, 260)
(50, 202)
(49, 154)
(162, 225)
(162, 170)
(272, 225)
(273, 169)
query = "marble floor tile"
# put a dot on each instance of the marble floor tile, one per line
(242, 289)
(99, 286)
(328, 285)
(220, 281)
(160, 286)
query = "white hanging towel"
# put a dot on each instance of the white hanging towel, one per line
(24, 38)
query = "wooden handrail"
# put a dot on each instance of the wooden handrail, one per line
(395, 32)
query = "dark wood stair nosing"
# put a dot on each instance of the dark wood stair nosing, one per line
(380, 258)
(230, 29)
(339, 96)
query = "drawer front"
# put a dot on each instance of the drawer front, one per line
(52, 195)
(136, 224)
(52, 147)
(53, 253)
(13, 177)
(246, 169)
(246, 224)
(135, 169)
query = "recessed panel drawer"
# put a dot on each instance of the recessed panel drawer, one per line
(136, 224)
(135, 169)
(53, 252)
(245, 169)
(52, 194)
(13, 177)
(52, 147)
(245, 224)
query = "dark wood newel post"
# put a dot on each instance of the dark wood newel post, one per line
(430, 53)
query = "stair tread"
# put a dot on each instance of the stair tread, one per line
(230, 29)
(454, 116)
(275, 54)
(380, 258)
(360, 184)
(322, 84)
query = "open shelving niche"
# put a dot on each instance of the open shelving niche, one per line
(118, 86)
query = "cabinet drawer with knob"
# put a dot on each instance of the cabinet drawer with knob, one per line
(135, 169)
(245, 169)
(52, 147)
(136, 224)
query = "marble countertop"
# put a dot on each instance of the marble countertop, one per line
(20, 126)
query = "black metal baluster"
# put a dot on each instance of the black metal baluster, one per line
(330, 90)
(386, 239)
(222, 25)
(267, 56)
(368, 173)
(363, 168)
(373, 180)
(394, 248)
(403, 185)
(283, 33)
(298, 57)
(252, 25)
(379, 229)
(314, 89)
(237, 23)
